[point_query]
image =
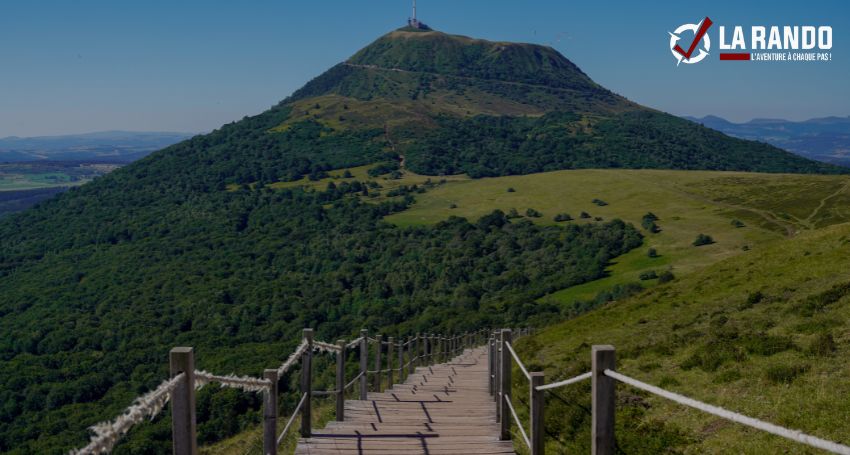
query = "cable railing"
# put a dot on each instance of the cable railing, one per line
(603, 376)
(179, 390)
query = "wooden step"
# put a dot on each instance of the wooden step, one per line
(439, 410)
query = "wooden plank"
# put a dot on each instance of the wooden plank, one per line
(438, 410)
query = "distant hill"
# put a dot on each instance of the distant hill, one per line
(117, 146)
(824, 139)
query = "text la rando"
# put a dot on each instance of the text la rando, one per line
(784, 38)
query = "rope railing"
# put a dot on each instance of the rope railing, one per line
(325, 347)
(566, 382)
(179, 390)
(353, 380)
(245, 383)
(106, 434)
(518, 422)
(291, 419)
(353, 343)
(604, 378)
(518, 361)
(324, 393)
(387, 370)
(794, 435)
(285, 366)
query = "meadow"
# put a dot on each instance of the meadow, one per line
(765, 333)
(740, 211)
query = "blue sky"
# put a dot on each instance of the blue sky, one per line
(88, 65)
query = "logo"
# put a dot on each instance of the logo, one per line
(700, 36)
(763, 43)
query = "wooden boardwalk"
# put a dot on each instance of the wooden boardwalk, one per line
(442, 409)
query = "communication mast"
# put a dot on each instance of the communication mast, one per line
(414, 22)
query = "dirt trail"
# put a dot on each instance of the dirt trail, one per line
(822, 204)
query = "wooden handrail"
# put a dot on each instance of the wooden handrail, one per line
(421, 350)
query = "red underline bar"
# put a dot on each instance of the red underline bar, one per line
(735, 56)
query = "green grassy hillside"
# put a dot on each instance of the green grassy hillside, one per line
(765, 333)
(769, 207)
(741, 211)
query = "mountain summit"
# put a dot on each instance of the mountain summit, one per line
(464, 73)
(454, 104)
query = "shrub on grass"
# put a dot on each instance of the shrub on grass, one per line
(512, 213)
(511, 190)
(703, 239)
(766, 345)
(531, 213)
(668, 381)
(666, 277)
(652, 253)
(785, 374)
(710, 356)
(738, 223)
(347, 174)
(584, 215)
(727, 376)
(383, 168)
(650, 275)
(818, 302)
(823, 345)
(563, 217)
(648, 223)
(600, 202)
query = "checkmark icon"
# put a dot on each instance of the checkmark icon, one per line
(706, 23)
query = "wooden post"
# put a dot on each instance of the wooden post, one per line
(505, 384)
(418, 352)
(426, 353)
(538, 422)
(307, 384)
(413, 352)
(490, 358)
(378, 349)
(183, 428)
(604, 395)
(401, 359)
(390, 346)
(497, 356)
(340, 381)
(270, 414)
(425, 342)
(364, 363)
(433, 346)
